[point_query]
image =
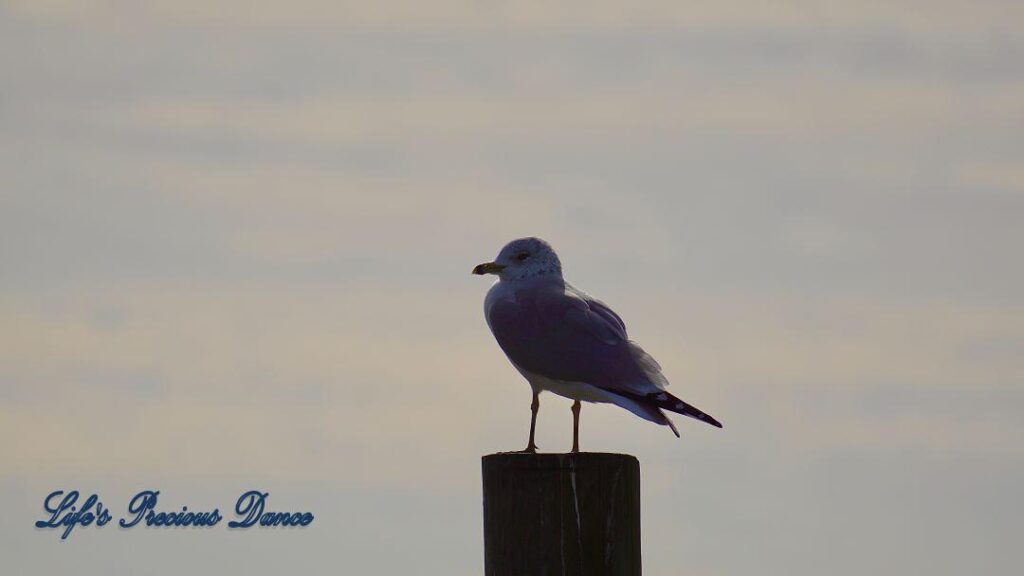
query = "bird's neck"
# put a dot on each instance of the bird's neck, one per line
(534, 280)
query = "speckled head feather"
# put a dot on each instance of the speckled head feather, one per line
(526, 258)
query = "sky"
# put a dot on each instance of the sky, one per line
(235, 245)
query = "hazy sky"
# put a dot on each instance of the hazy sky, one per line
(235, 245)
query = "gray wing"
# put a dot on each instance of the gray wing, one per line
(561, 333)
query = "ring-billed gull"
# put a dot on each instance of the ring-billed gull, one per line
(562, 340)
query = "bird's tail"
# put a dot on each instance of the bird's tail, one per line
(635, 404)
(669, 423)
(666, 401)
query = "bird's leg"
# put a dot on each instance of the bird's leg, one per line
(576, 426)
(531, 447)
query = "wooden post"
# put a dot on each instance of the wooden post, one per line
(565, 514)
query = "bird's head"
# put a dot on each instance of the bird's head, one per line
(523, 258)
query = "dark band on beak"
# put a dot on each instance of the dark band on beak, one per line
(488, 268)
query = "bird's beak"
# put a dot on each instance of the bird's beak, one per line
(488, 268)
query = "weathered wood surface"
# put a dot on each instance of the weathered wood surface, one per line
(564, 514)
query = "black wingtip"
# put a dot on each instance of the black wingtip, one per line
(704, 417)
(669, 402)
(707, 418)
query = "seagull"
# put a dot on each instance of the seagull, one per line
(564, 341)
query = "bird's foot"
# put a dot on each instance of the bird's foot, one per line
(531, 449)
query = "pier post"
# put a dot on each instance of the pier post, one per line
(565, 514)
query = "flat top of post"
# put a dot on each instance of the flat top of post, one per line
(567, 460)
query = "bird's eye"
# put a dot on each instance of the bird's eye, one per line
(522, 256)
